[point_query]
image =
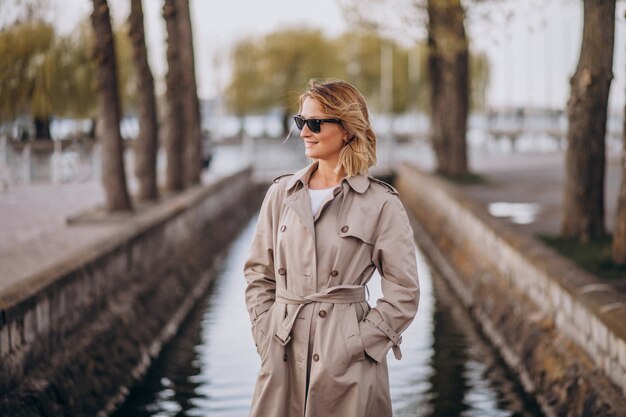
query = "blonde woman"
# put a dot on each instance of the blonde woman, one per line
(321, 233)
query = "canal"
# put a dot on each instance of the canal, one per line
(209, 369)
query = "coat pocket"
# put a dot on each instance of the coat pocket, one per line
(261, 329)
(352, 336)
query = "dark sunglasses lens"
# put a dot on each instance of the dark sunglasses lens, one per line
(299, 121)
(314, 125)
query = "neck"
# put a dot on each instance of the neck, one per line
(324, 176)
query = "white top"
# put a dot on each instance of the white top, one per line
(318, 197)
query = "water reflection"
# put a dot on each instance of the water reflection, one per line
(519, 213)
(210, 368)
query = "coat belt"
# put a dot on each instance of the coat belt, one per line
(340, 294)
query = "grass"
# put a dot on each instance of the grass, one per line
(468, 179)
(593, 256)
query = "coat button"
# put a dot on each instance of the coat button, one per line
(283, 228)
(285, 357)
(282, 271)
(345, 229)
(322, 313)
(316, 357)
(334, 273)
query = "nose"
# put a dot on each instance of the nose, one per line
(305, 132)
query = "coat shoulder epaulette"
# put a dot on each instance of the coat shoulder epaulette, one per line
(388, 188)
(280, 177)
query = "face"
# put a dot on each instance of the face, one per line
(325, 145)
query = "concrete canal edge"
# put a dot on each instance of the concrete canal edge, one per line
(75, 345)
(559, 329)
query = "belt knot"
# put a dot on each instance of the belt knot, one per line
(340, 294)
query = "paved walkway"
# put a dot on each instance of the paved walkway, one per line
(527, 189)
(34, 235)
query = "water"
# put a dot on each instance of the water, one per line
(209, 368)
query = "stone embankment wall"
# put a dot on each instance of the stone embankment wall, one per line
(557, 327)
(72, 347)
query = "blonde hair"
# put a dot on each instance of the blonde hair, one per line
(342, 101)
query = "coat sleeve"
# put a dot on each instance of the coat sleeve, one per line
(395, 258)
(259, 267)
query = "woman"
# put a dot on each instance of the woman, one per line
(321, 233)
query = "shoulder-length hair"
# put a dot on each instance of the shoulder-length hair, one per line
(343, 101)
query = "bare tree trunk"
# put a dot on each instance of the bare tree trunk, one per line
(146, 144)
(109, 113)
(174, 136)
(619, 236)
(583, 202)
(191, 107)
(449, 82)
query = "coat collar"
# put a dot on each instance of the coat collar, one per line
(358, 183)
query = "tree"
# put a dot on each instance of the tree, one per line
(279, 66)
(619, 235)
(583, 202)
(44, 75)
(108, 127)
(174, 123)
(362, 58)
(448, 67)
(354, 56)
(245, 94)
(449, 85)
(28, 71)
(146, 143)
(479, 81)
(126, 71)
(77, 85)
(191, 107)
(294, 57)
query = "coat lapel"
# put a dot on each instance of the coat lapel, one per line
(300, 203)
(298, 198)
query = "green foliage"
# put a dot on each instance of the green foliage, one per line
(125, 69)
(244, 94)
(43, 74)
(594, 256)
(479, 81)
(76, 81)
(360, 55)
(362, 59)
(417, 85)
(25, 68)
(272, 71)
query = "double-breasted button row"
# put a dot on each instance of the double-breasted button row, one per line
(282, 271)
(344, 229)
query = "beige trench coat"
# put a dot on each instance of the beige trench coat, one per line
(322, 347)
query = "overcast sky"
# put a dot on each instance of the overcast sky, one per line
(532, 45)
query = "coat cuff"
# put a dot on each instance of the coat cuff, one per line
(378, 337)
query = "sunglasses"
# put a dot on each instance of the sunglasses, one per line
(315, 125)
